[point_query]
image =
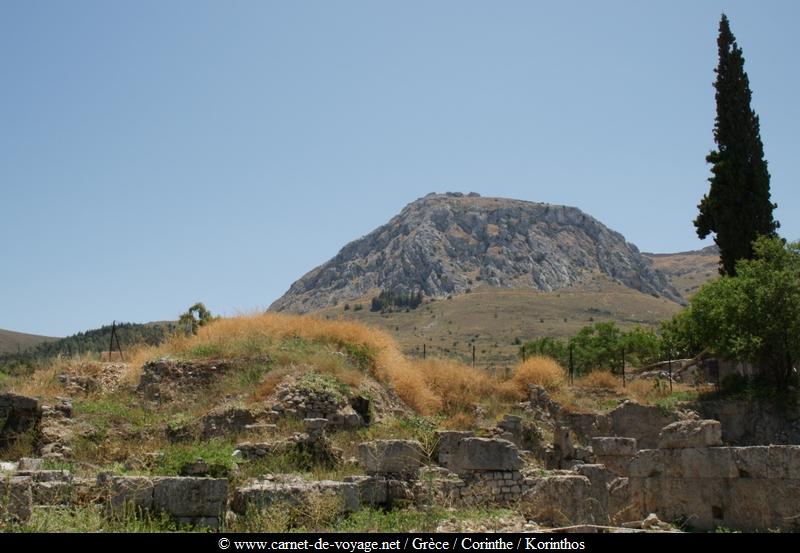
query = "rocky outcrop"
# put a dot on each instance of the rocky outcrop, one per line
(445, 244)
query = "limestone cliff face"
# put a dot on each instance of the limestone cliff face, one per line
(444, 244)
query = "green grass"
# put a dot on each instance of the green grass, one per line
(315, 382)
(214, 452)
(670, 403)
(90, 519)
(115, 410)
(409, 520)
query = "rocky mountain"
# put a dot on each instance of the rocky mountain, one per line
(446, 244)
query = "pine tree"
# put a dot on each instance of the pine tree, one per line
(737, 207)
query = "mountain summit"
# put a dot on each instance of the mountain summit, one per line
(446, 244)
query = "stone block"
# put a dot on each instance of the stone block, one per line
(613, 445)
(124, 493)
(559, 500)
(690, 433)
(51, 493)
(391, 457)
(190, 497)
(16, 499)
(485, 454)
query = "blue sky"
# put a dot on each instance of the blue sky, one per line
(153, 154)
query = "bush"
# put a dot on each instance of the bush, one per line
(543, 371)
(600, 346)
(603, 380)
(753, 316)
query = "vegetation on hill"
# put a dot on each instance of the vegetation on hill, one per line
(90, 341)
(388, 300)
(15, 342)
(497, 321)
(599, 346)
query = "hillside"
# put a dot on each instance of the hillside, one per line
(687, 271)
(493, 318)
(88, 342)
(13, 342)
(286, 423)
(448, 244)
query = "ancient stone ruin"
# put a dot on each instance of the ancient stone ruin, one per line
(629, 469)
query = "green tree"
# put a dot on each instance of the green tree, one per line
(195, 317)
(753, 316)
(737, 207)
(599, 346)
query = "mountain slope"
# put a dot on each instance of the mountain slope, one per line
(495, 320)
(687, 271)
(445, 244)
(12, 342)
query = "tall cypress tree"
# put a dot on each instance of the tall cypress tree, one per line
(737, 207)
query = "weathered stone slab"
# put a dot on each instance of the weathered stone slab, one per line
(690, 433)
(18, 415)
(294, 491)
(191, 497)
(643, 422)
(751, 462)
(482, 454)
(51, 493)
(16, 499)
(447, 444)
(391, 457)
(125, 493)
(29, 463)
(559, 500)
(614, 446)
(371, 490)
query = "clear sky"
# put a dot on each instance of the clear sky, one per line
(157, 153)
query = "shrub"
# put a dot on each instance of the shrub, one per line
(544, 371)
(753, 316)
(602, 380)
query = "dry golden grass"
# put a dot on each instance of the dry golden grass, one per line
(234, 336)
(649, 391)
(540, 370)
(602, 380)
(459, 386)
(44, 382)
(460, 421)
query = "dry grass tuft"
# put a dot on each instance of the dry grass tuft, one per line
(458, 386)
(602, 380)
(540, 370)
